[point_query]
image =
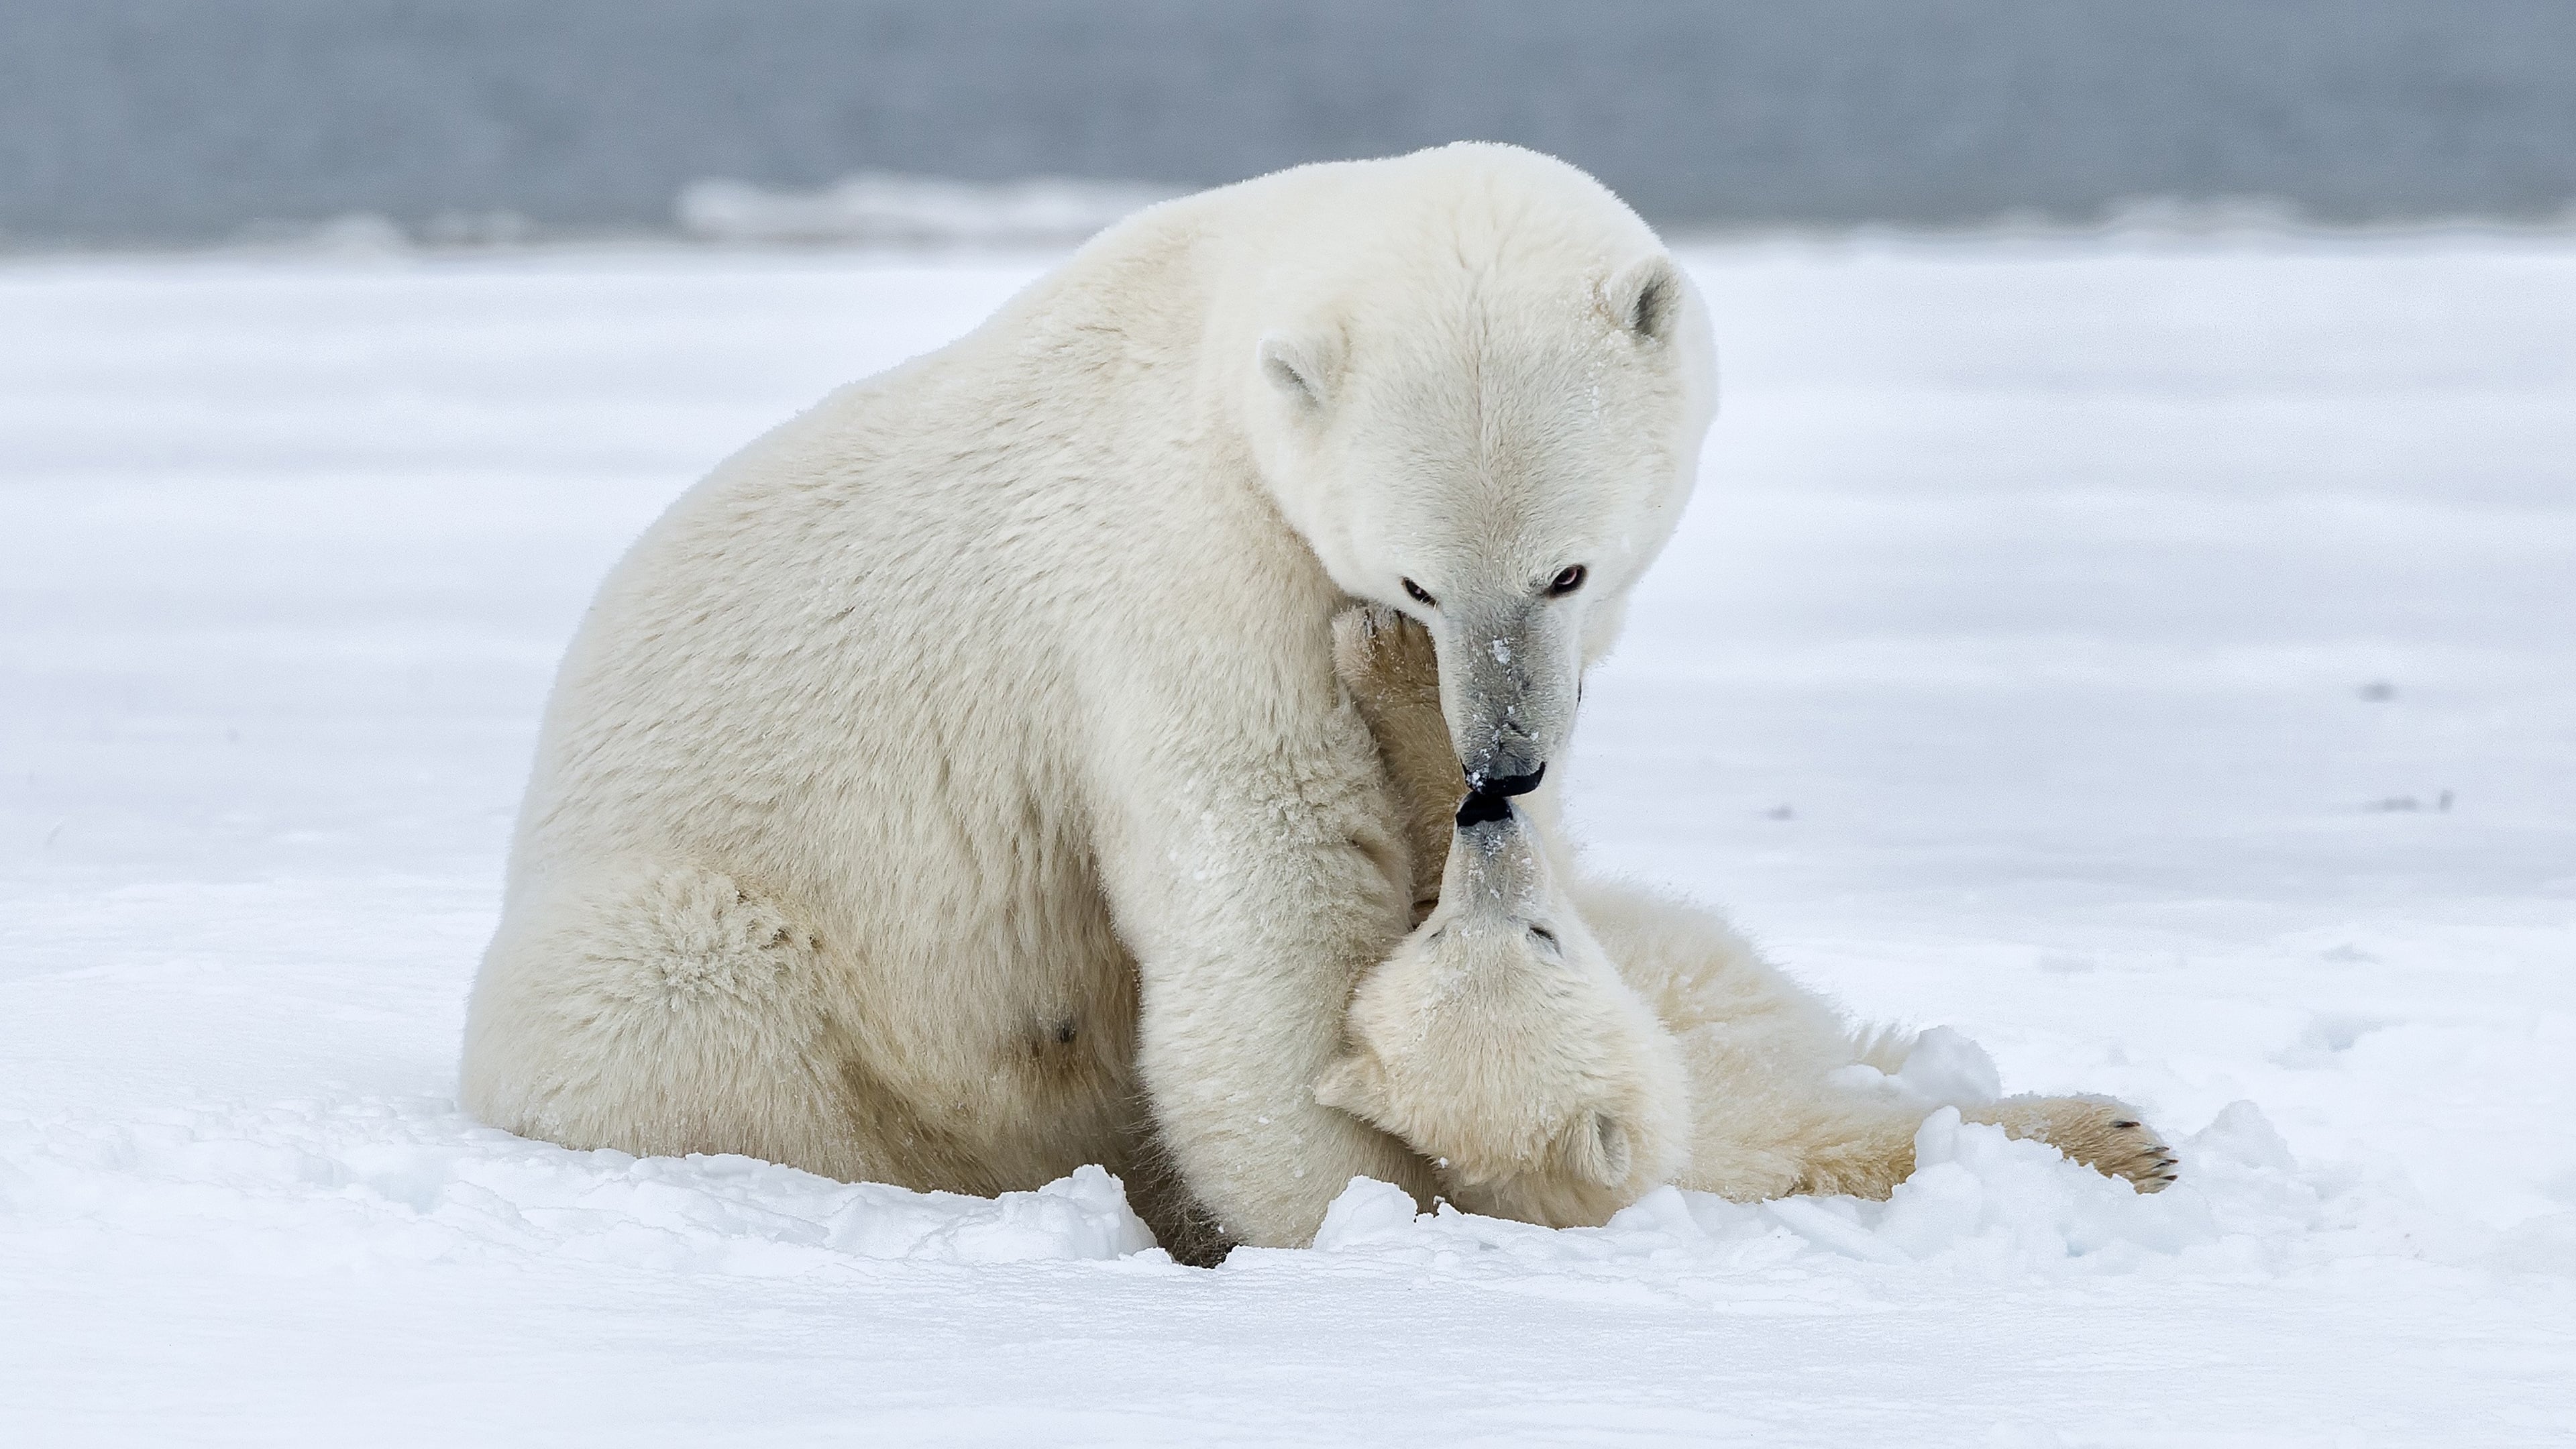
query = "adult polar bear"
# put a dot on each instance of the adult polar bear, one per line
(954, 788)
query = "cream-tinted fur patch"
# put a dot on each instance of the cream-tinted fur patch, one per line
(1764, 1115)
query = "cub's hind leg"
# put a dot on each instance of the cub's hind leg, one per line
(1766, 1117)
(664, 1010)
(1771, 1111)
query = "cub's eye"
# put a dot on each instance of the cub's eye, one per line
(1543, 934)
(1416, 592)
(1568, 581)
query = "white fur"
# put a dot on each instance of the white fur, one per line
(954, 788)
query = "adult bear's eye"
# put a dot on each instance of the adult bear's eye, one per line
(1419, 595)
(1567, 581)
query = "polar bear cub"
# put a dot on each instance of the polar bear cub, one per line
(1500, 1041)
(1567, 1043)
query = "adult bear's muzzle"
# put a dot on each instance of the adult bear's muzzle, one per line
(1508, 681)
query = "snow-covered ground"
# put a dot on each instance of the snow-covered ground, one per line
(2155, 659)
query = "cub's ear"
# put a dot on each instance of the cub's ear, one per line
(1356, 1084)
(1596, 1147)
(1301, 367)
(1645, 297)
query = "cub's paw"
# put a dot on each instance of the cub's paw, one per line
(1385, 659)
(2103, 1134)
(1388, 664)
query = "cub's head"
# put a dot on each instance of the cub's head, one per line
(1478, 389)
(1501, 1041)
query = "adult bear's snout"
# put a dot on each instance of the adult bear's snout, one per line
(1511, 765)
(1508, 673)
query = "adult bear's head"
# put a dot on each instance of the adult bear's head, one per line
(1477, 385)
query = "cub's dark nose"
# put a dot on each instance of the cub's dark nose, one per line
(1494, 801)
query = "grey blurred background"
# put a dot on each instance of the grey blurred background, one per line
(183, 121)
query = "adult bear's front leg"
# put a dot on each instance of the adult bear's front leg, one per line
(1253, 892)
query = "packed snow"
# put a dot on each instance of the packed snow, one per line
(2151, 661)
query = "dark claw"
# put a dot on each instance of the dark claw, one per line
(2123, 1126)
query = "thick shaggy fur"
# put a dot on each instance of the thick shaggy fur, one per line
(1548, 1055)
(954, 788)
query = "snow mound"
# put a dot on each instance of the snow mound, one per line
(328, 1186)
(1978, 1201)
(1944, 1068)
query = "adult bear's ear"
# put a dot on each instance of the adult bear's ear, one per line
(1301, 367)
(1645, 297)
(1356, 1084)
